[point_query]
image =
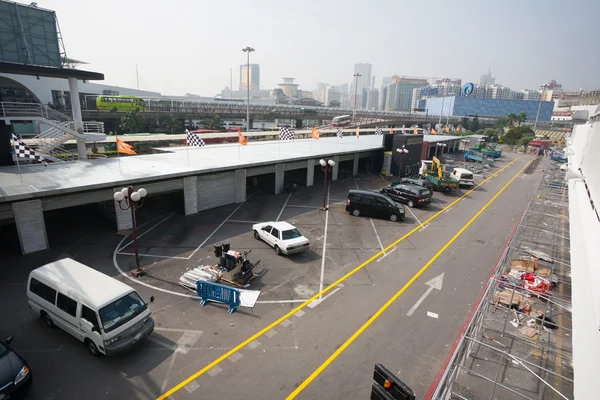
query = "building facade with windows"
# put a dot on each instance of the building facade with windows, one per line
(254, 76)
(462, 106)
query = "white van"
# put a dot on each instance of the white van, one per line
(464, 177)
(104, 313)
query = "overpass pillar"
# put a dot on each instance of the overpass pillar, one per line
(123, 217)
(335, 169)
(355, 165)
(76, 107)
(298, 124)
(31, 227)
(310, 172)
(279, 178)
(240, 185)
(190, 195)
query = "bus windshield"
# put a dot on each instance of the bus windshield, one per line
(120, 311)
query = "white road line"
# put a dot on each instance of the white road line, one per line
(163, 388)
(215, 231)
(324, 244)
(160, 328)
(377, 235)
(280, 301)
(297, 206)
(413, 214)
(385, 255)
(151, 228)
(418, 303)
(283, 208)
(432, 314)
(356, 183)
(153, 255)
(316, 302)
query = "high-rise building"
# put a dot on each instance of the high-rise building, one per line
(372, 99)
(254, 77)
(487, 79)
(386, 80)
(362, 82)
(400, 92)
(290, 89)
(383, 97)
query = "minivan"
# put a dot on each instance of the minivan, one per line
(361, 202)
(463, 176)
(107, 315)
(412, 195)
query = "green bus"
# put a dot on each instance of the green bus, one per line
(119, 103)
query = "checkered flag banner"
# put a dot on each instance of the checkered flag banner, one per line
(339, 133)
(24, 151)
(286, 133)
(378, 131)
(194, 140)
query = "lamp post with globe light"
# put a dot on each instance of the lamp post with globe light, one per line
(441, 146)
(326, 166)
(402, 151)
(130, 200)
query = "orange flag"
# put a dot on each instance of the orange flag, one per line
(123, 147)
(315, 133)
(391, 130)
(447, 129)
(433, 132)
(415, 131)
(241, 138)
(357, 134)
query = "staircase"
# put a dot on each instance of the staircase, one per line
(62, 127)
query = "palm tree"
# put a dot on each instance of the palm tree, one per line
(511, 119)
(521, 117)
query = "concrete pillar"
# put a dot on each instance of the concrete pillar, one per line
(310, 172)
(355, 165)
(240, 185)
(76, 106)
(190, 194)
(61, 99)
(335, 169)
(123, 217)
(279, 178)
(31, 227)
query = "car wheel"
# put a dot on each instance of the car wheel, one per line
(47, 320)
(92, 347)
(393, 217)
(411, 203)
(114, 109)
(278, 250)
(256, 235)
(356, 212)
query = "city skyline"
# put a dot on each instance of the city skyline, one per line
(178, 62)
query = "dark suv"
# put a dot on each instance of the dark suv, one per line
(412, 195)
(372, 204)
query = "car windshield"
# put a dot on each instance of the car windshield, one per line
(424, 192)
(120, 311)
(291, 234)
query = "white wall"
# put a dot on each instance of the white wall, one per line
(43, 87)
(584, 240)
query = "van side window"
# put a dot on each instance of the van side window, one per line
(89, 315)
(66, 304)
(44, 291)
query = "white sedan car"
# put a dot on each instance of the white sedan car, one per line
(283, 237)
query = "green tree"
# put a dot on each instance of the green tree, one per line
(524, 141)
(213, 122)
(501, 123)
(132, 122)
(172, 124)
(514, 135)
(474, 125)
(491, 136)
(464, 122)
(511, 118)
(521, 117)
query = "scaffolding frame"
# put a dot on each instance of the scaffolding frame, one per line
(508, 351)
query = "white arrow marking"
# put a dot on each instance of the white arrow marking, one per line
(435, 283)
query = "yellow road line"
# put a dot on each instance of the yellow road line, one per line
(180, 385)
(388, 303)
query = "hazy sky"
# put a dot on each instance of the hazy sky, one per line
(183, 46)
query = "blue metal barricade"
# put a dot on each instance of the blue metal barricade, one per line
(209, 291)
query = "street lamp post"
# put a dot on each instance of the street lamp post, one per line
(441, 146)
(445, 80)
(465, 141)
(356, 75)
(402, 151)
(326, 166)
(248, 50)
(130, 200)
(543, 87)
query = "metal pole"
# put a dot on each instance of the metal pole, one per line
(135, 246)
(325, 186)
(539, 107)
(248, 93)
(356, 75)
(441, 111)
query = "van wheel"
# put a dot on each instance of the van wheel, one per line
(91, 346)
(256, 235)
(393, 217)
(356, 212)
(47, 320)
(411, 203)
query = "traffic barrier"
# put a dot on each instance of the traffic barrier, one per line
(209, 291)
